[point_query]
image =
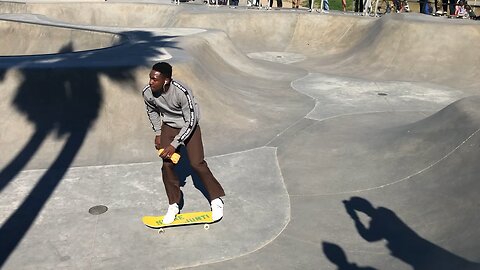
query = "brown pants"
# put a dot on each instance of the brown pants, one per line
(194, 146)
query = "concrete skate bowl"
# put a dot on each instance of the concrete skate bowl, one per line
(79, 115)
(365, 126)
(32, 39)
(344, 45)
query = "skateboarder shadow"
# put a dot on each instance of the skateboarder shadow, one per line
(336, 255)
(184, 170)
(403, 242)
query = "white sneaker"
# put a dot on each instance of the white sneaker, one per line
(217, 209)
(172, 211)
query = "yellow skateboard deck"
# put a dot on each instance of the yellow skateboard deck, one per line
(191, 218)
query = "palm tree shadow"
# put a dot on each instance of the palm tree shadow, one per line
(403, 242)
(337, 256)
(63, 99)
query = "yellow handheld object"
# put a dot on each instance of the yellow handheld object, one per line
(174, 158)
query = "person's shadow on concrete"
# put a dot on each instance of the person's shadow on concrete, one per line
(184, 170)
(403, 242)
(337, 256)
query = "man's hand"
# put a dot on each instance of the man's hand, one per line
(157, 142)
(351, 212)
(167, 152)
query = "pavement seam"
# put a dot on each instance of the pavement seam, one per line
(301, 118)
(92, 258)
(396, 181)
(365, 112)
(288, 217)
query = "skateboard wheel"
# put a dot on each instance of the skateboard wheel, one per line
(160, 231)
(206, 226)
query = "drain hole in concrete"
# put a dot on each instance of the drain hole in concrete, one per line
(382, 94)
(98, 210)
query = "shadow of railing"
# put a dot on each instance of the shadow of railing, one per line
(64, 99)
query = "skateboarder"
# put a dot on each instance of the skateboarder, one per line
(174, 115)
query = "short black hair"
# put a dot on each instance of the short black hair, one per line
(164, 68)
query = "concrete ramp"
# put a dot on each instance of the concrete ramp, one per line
(342, 142)
(49, 40)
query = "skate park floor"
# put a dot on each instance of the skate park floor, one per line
(342, 141)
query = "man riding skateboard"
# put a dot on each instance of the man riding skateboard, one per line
(174, 115)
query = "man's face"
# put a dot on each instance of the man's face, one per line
(156, 81)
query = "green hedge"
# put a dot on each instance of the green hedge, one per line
(334, 4)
